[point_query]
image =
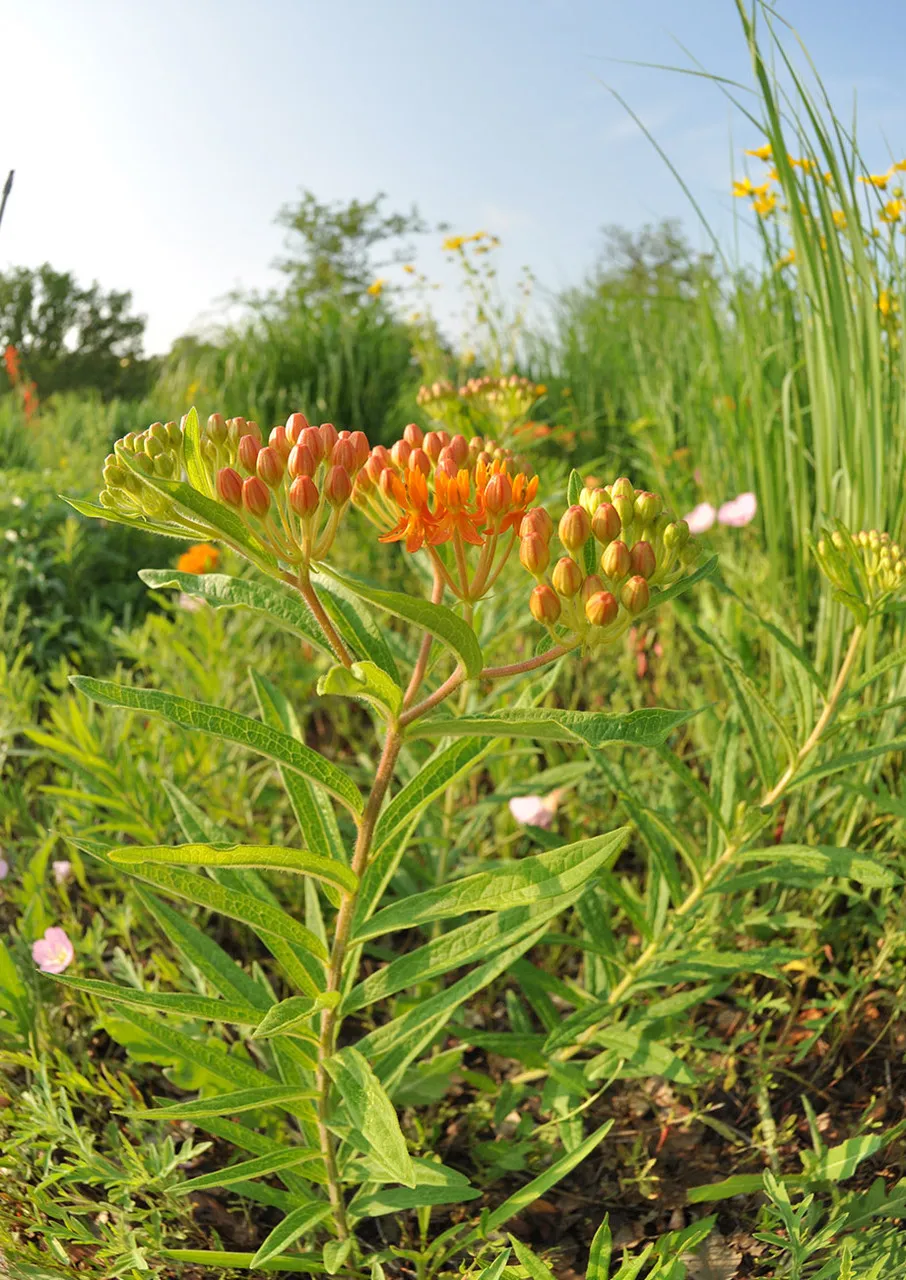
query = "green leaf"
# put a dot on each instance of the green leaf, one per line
(271, 857)
(191, 1006)
(644, 1056)
(497, 1267)
(268, 599)
(284, 1018)
(741, 1184)
(195, 467)
(600, 1254)
(372, 1113)
(506, 885)
(836, 1164)
(367, 681)
(646, 727)
(229, 725)
(848, 761)
(259, 915)
(224, 1066)
(358, 627)
(533, 1264)
(295, 1224)
(437, 619)
(888, 663)
(301, 1262)
(96, 512)
(660, 597)
(260, 1167)
(823, 860)
(335, 1254)
(220, 969)
(398, 1199)
(229, 1104)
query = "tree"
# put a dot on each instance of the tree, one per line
(653, 261)
(332, 245)
(72, 338)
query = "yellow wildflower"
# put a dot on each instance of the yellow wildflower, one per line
(765, 204)
(900, 166)
(742, 187)
(453, 243)
(408, 268)
(787, 260)
(761, 153)
(377, 288)
(879, 180)
(892, 211)
(839, 218)
(885, 303)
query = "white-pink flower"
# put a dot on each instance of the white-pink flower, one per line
(534, 811)
(54, 952)
(739, 511)
(62, 871)
(4, 868)
(701, 518)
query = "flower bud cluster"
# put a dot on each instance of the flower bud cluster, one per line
(506, 400)
(636, 545)
(868, 569)
(433, 489)
(290, 489)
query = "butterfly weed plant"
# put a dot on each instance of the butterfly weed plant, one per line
(296, 1064)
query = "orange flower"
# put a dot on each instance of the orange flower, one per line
(11, 361)
(201, 558)
(451, 497)
(416, 523)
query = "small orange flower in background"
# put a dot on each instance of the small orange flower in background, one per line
(202, 558)
(11, 363)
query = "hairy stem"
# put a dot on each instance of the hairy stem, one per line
(310, 596)
(424, 652)
(452, 683)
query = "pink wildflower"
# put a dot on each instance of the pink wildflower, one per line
(701, 518)
(54, 952)
(535, 811)
(62, 871)
(739, 511)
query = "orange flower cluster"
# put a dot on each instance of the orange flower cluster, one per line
(433, 489)
(202, 558)
(27, 390)
(641, 546)
(11, 364)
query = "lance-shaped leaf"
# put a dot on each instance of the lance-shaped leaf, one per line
(441, 622)
(823, 860)
(304, 1263)
(286, 1018)
(269, 599)
(230, 726)
(222, 1065)
(662, 596)
(260, 1167)
(233, 903)
(266, 856)
(506, 885)
(373, 1115)
(195, 467)
(367, 681)
(356, 624)
(295, 1224)
(95, 511)
(646, 727)
(229, 1104)
(190, 1006)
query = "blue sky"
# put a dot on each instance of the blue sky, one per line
(154, 143)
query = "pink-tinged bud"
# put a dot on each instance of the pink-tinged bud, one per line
(300, 462)
(329, 437)
(635, 595)
(255, 497)
(374, 467)
(229, 487)
(269, 466)
(606, 524)
(648, 506)
(249, 448)
(240, 426)
(544, 604)
(601, 609)
(447, 463)
(338, 487)
(536, 521)
(252, 429)
(384, 454)
(311, 438)
(414, 435)
(344, 434)
(303, 496)
(279, 440)
(574, 528)
(615, 561)
(343, 455)
(534, 554)
(401, 453)
(217, 428)
(622, 488)
(642, 560)
(459, 449)
(433, 445)
(590, 587)
(385, 483)
(498, 494)
(419, 461)
(361, 448)
(567, 577)
(295, 425)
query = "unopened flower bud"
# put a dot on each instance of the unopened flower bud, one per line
(591, 499)
(642, 560)
(374, 467)
(544, 604)
(419, 461)
(300, 462)
(498, 494)
(269, 466)
(433, 444)
(279, 440)
(360, 447)
(447, 463)
(648, 507)
(591, 586)
(401, 452)
(303, 496)
(174, 435)
(536, 521)
(567, 577)
(625, 509)
(255, 496)
(311, 439)
(413, 435)
(635, 595)
(676, 534)
(153, 447)
(534, 554)
(229, 487)
(622, 488)
(601, 609)
(329, 437)
(157, 431)
(217, 428)
(295, 425)
(115, 476)
(338, 486)
(574, 528)
(615, 561)
(605, 523)
(459, 449)
(249, 449)
(241, 427)
(343, 455)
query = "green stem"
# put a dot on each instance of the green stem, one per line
(310, 596)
